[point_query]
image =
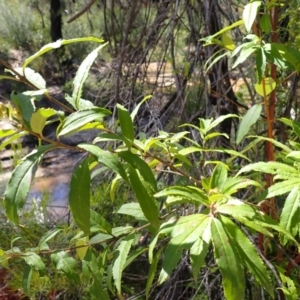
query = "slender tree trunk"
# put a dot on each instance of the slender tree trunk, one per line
(56, 20)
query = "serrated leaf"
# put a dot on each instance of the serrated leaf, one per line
(146, 201)
(39, 118)
(266, 87)
(219, 177)
(19, 183)
(119, 263)
(283, 187)
(58, 44)
(26, 280)
(99, 238)
(107, 158)
(189, 234)
(199, 250)
(132, 209)
(249, 14)
(290, 215)
(80, 118)
(99, 222)
(233, 184)
(248, 120)
(81, 75)
(62, 261)
(190, 193)
(79, 196)
(235, 207)
(33, 260)
(270, 167)
(137, 163)
(229, 262)
(248, 255)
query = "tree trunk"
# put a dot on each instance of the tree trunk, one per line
(56, 20)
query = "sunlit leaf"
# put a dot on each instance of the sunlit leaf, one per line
(125, 122)
(219, 177)
(119, 263)
(248, 120)
(228, 42)
(248, 254)
(34, 260)
(249, 14)
(80, 118)
(58, 44)
(229, 262)
(107, 158)
(266, 86)
(290, 215)
(39, 118)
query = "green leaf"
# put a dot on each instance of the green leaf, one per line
(248, 120)
(199, 250)
(283, 187)
(289, 288)
(6, 132)
(270, 167)
(136, 109)
(125, 123)
(261, 63)
(25, 105)
(228, 261)
(33, 77)
(58, 44)
(265, 23)
(62, 261)
(79, 196)
(99, 223)
(245, 54)
(119, 263)
(235, 207)
(218, 121)
(190, 232)
(219, 177)
(266, 87)
(81, 75)
(33, 260)
(38, 119)
(190, 193)
(233, 184)
(249, 14)
(19, 183)
(48, 236)
(100, 238)
(152, 271)
(274, 142)
(132, 209)
(80, 118)
(107, 158)
(290, 215)
(12, 139)
(248, 255)
(26, 280)
(146, 201)
(137, 163)
(228, 42)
